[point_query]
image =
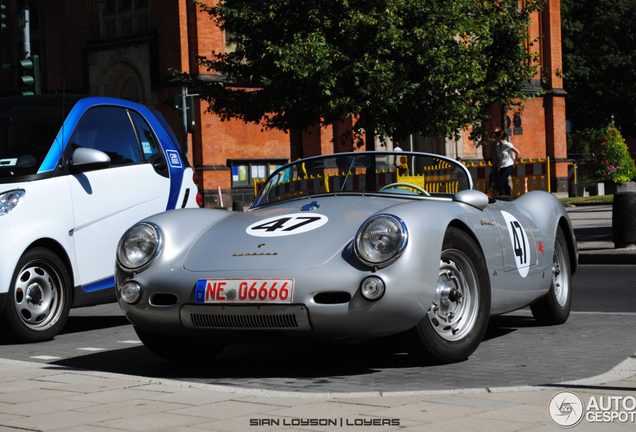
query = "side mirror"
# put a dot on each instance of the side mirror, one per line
(473, 198)
(88, 159)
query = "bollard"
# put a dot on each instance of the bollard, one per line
(624, 220)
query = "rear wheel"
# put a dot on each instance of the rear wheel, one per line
(457, 319)
(177, 349)
(555, 307)
(39, 297)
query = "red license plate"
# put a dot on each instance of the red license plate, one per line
(244, 291)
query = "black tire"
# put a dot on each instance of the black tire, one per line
(39, 297)
(177, 349)
(555, 307)
(457, 320)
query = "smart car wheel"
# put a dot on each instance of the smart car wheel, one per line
(457, 319)
(177, 349)
(555, 307)
(40, 297)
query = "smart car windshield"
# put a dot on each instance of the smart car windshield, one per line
(397, 173)
(26, 135)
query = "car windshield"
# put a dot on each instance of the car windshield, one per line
(26, 135)
(397, 173)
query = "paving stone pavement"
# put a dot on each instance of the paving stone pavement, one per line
(515, 352)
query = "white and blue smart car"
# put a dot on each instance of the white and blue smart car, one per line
(75, 173)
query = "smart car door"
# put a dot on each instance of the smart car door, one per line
(108, 201)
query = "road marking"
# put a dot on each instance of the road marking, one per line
(45, 357)
(91, 349)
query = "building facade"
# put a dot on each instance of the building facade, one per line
(129, 48)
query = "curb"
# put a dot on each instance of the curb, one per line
(608, 257)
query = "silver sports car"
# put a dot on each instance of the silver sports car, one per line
(346, 248)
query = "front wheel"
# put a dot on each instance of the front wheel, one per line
(555, 307)
(39, 297)
(177, 349)
(457, 319)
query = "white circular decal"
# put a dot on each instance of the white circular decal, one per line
(520, 244)
(285, 225)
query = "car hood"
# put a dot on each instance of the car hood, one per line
(300, 234)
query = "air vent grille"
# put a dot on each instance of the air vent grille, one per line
(246, 317)
(245, 322)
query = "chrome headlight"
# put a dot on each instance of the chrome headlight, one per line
(139, 245)
(10, 200)
(381, 240)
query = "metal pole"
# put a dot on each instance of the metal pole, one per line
(184, 112)
(26, 33)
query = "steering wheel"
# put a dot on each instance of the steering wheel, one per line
(408, 185)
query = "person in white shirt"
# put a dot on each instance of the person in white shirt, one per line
(507, 156)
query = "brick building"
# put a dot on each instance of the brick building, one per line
(127, 48)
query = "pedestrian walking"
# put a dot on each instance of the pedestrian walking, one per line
(507, 156)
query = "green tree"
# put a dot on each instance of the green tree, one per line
(599, 53)
(398, 66)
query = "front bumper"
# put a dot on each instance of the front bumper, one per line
(346, 316)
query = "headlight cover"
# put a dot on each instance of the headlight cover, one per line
(381, 240)
(10, 200)
(139, 246)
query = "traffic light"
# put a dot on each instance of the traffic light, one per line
(3, 17)
(27, 73)
(176, 103)
(27, 67)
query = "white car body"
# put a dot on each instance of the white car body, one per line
(80, 215)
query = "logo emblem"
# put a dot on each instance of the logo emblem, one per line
(308, 207)
(566, 409)
(173, 158)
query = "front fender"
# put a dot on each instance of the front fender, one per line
(427, 223)
(180, 229)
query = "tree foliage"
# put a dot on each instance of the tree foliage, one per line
(398, 66)
(599, 53)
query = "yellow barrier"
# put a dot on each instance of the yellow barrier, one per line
(528, 175)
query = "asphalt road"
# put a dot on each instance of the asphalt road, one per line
(598, 336)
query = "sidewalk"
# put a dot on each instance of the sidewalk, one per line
(39, 397)
(36, 396)
(592, 225)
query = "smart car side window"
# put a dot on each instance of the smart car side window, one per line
(149, 143)
(110, 130)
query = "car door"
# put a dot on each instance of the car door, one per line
(108, 201)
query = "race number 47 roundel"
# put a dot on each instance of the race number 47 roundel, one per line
(285, 225)
(520, 243)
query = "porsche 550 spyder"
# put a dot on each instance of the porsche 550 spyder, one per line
(346, 248)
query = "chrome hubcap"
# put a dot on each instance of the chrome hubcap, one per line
(559, 281)
(455, 306)
(38, 296)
